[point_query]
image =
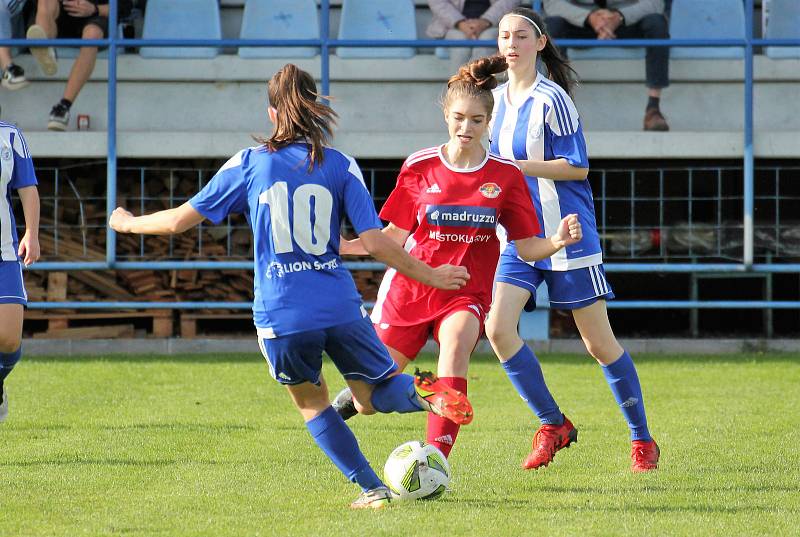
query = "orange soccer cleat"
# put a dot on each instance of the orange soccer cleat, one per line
(442, 399)
(547, 440)
(644, 455)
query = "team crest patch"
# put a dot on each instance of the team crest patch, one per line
(5, 153)
(490, 190)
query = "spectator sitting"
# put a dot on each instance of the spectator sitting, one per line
(13, 76)
(619, 19)
(467, 19)
(85, 19)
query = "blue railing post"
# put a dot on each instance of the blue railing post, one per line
(749, 164)
(324, 53)
(111, 164)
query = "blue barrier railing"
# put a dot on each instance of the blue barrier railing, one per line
(326, 43)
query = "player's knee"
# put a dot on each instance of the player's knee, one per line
(604, 352)
(9, 342)
(499, 334)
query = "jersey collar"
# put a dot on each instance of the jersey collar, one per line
(535, 84)
(462, 170)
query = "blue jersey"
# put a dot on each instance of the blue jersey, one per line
(16, 171)
(300, 282)
(546, 126)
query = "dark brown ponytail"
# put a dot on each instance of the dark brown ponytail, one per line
(476, 79)
(293, 94)
(559, 69)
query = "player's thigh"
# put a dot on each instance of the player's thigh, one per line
(357, 352)
(458, 334)
(295, 358)
(11, 327)
(595, 329)
(507, 305)
(404, 342)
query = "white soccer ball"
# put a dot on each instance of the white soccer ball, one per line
(416, 470)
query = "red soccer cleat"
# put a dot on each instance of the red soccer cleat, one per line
(644, 455)
(441, 399)
(547, 440)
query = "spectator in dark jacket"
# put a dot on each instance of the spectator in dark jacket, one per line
(77, 19)
(619, 19)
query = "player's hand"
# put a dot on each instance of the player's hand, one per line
(569, 231)
(120, 219)
(29, 249)
(449, 277)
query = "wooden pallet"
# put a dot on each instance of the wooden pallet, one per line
(189, 320)
(58, 324)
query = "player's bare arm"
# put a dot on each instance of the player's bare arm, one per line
(557, 170)
(383, 248)
(536, 248)
(356, 247)
(29, 243)
(167, 222)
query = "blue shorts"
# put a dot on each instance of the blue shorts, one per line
(568, 289)
(353, 347)
(12, 291)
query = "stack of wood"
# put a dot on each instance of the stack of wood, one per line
(80, 236)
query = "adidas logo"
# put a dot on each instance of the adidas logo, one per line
(446, 439)
(284, 376)
(630, 401)
(434, 189)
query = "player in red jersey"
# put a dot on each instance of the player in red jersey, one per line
(445, 208)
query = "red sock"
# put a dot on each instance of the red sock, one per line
(442, 432)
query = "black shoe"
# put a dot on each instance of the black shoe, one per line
(59, 118)
(343, 404)
(14, 78)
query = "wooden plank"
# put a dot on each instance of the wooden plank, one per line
(89, 332)
(56, 286)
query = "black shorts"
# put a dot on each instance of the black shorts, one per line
(70, 27)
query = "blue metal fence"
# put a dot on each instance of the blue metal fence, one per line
(325, 43)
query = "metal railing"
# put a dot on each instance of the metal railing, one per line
(325, 43)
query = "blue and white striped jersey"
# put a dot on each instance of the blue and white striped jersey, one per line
(16, 171)
(546, 126)
(301, 283)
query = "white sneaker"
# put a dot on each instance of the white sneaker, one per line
(4, 406)
(45, 56)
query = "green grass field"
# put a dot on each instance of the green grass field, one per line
(152, 445)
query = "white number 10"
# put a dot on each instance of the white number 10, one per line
(312, 240)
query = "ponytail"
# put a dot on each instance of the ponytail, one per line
(559, 69)
(293, 94)
(476, 79)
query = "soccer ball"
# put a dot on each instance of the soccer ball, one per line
(416, 470)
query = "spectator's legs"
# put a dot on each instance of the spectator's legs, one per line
(47, 12)
(84, 64)
(489, 34)
(652, 26)
(458, 56)
(5, 33)
(560, 28)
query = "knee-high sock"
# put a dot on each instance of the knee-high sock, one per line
(336, 439)
(396, 394)
(624, 383)
(7, 362)
(442, 432)
(525, 373)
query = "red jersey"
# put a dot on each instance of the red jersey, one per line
(452, 215)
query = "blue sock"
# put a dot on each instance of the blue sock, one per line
(396, 394)
(7, 362)
(624, 383)
(339, 443)
(526, 375)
